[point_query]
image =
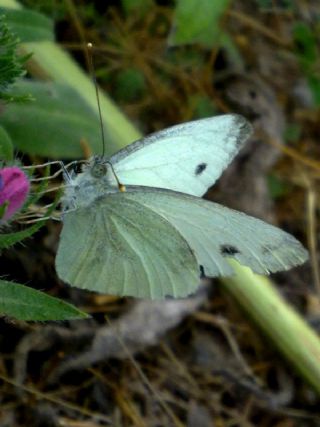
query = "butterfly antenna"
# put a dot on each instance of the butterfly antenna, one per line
(93, 76)
(121, 187)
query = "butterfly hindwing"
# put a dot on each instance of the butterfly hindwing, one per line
(119, 246)
(188, 157)
(216, 233)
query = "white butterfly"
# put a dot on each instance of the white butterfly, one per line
(150, 240)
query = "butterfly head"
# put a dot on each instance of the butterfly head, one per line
(98, 167)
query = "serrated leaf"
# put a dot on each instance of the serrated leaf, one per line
(6, 147)
(197, 22)
(28, 25)
(24, 303)
(54, 124)
(11, 65)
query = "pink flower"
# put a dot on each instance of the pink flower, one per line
(14, 189)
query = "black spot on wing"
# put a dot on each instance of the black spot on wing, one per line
(229, 250)
(200, 168)
(202, 272)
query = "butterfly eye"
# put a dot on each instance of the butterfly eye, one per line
(98, 170)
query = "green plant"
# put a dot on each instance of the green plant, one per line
(16, 300)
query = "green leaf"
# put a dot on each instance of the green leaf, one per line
(197, 22)
(24, 303)
(28, 25)
(11, 65)
(9, 239)
(6, 147)
(54, 124)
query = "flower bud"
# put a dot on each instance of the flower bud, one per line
(14, 189)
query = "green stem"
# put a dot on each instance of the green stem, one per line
(290, 333)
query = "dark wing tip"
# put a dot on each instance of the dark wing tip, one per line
(244, 127)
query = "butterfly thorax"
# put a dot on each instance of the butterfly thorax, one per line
(84, 188)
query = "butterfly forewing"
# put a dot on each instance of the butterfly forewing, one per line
(188, 157)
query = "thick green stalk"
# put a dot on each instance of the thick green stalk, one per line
(258, 296)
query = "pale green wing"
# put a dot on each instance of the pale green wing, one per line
(200, 150)
(215, 233)
(119, 246)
